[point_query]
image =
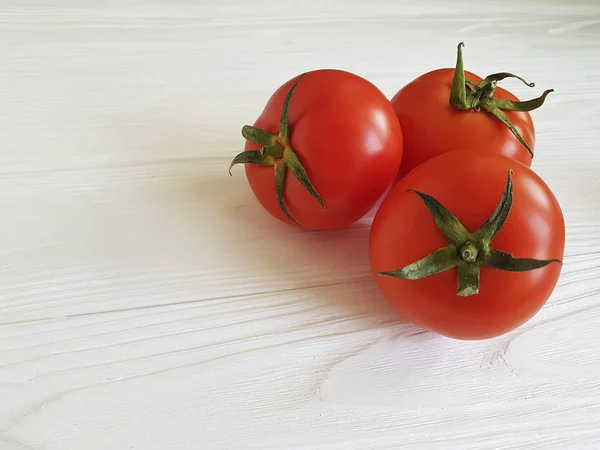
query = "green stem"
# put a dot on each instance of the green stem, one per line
(526, 106)
(280, 175)
(250, 157)
(297, 169)
(485, 93)
(501, 76)
(458, 94)
(488, 231)
(276, 151)
(446, 222)
(503, 261)
(490, 106)
(468, 251)
(258, 136)
(481, 96)
(284, 124)
(439, 261)
(468, 280)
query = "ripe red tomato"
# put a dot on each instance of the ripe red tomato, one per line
(431, 125)
(347, 138)
(470, 185)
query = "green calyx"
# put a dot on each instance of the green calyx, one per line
(277, 152)
(467, 251)
(466, 95)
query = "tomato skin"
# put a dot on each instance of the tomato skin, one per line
(431, 126)
(349, 140)
(470, 185)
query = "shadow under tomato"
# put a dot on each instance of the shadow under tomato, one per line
(213, 215)
(315, 261)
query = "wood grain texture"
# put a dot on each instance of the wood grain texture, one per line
(147, 302)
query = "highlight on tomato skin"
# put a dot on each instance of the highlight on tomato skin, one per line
(497, 234)
(324, 150)
(450, 109)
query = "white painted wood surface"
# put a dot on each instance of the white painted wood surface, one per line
(147, 302)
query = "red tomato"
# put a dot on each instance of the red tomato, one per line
(469, 184)
(349, 141)
(432, 126)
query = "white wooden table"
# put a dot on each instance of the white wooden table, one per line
(148, 302)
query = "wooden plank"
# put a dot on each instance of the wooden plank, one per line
(147, 301)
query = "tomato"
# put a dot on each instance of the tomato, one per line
(342, 154)
(472, 288)
(435, 120)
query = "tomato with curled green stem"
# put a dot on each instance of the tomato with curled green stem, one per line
(324, 150)
(468, 244)
(452, 109)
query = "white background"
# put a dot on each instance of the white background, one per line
(148, 302)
